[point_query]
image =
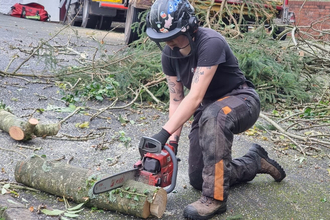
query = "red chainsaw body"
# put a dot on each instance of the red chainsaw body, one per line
(156, 169)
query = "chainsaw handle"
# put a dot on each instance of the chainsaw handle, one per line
(149, 145)
(175, 169)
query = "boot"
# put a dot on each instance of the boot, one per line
(268, 165)
(204, 208)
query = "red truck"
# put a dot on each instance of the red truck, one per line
(100, 13)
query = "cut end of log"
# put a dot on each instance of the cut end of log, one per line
(16, 133)
(158, 206)
(33, 121)
(145, 210)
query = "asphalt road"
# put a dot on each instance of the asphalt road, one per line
(71, 45)
(303, 194)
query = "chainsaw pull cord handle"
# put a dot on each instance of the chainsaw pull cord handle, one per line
(175, 169)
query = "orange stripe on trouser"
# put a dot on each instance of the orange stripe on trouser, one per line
(219, 172)
(218, 181)
(223, 98)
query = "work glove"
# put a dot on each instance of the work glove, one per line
(162, 137)
(175, 145)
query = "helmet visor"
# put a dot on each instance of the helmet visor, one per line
(162, 37)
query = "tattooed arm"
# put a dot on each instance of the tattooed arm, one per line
(176, 96)
(189, 104)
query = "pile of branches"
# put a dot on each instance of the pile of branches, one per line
(234, 18)
(301, 127)
(129, 72)
(280, 74)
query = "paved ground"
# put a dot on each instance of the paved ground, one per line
(303, 194)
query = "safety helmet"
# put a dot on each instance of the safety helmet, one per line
(168, 19)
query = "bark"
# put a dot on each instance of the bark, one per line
(20, 129)
(75, 183)
(43, 130)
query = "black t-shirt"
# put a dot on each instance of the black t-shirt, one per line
(211, 49)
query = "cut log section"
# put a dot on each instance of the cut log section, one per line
(19, 129)
(75, 183)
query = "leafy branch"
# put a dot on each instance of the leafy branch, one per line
(64, 214)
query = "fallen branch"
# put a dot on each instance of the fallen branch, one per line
(306, 139)
(16, 186)
(19, 129)
(5, 149)
(69, 116)
(41, 44)
(112, 105)
(66, 137)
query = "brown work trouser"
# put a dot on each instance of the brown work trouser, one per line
(211, 167)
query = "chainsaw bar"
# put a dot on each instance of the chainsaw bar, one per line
(115, 181)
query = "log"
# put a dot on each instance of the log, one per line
(43, 130)
(21, 130)
(75, 183)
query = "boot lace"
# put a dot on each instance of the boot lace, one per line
(206, 200)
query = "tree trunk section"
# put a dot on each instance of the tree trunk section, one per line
(43, 130)
(61, 179)
(21, 130)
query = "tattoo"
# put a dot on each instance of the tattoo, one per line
(171, 85)
(199, 72)
(179, 95)
(175, 89)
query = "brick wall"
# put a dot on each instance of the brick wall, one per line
(314, 14)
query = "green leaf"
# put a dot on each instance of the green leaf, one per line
(11, 201)
(112, 198)
(54, 212)
(98, 97)
(64, 218)
(122, 120)
(3, 191)
(136, 198)
(6, 186)
(75, 211)
(324, 199)
(71, 215)
(41, 110)
(76, 207)
(83, 125)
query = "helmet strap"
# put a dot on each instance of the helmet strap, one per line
(192, 48)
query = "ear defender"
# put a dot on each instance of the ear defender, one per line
(193, 24)
(147, 19)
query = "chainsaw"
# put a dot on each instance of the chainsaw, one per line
(157, 167)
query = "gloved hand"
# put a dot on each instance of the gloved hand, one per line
(175, 145)
(162, 137)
